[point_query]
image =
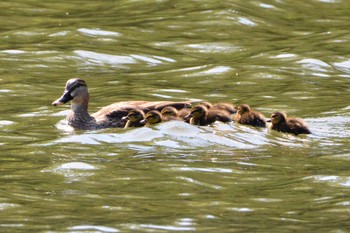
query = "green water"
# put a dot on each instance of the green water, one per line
(291, 56)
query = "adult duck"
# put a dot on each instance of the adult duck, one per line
(280, 122)
(246, 116)
(200, 115)
(77, 92)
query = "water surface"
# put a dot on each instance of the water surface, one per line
(274, 55)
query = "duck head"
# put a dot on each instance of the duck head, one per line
(76, 91)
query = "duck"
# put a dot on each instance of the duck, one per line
(246, 116)
(200, 115)
(151, 118)
(76, 91)
(134, 118)
(280, 122)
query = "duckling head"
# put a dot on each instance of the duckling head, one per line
(197, 112)
(152, 117)
(206, 104)
(169, 112)
(75, 90)
(278, 117)
(134, 116)
(243, 108)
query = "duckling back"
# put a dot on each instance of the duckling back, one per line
(246, 116)
(200, 115)
(280, 122)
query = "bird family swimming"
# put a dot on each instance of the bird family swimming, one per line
(138, 113)
(77, 92)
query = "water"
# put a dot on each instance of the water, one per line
(274, 55)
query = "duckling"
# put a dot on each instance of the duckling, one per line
(76, 90)
(246, 116)
(152, 117)
(134, 118)
(200, 115)
(170, 113)
(230, 108)
(226, 107)
(282, 123)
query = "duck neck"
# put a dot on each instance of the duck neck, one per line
(80, 108)
(79, 118)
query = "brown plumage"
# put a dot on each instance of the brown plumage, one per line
(134, 118)
(77, 92)
(151, 118)
(230, 108)
(246, 116)
(200, 115)
(169, 114)
(282, 123)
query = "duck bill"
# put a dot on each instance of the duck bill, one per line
(63, 99)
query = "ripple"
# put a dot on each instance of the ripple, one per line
(214, 47)
(210, 170)
(331, 180)
(343, 66)
(101, 58)
(97, 32)
(76, 166)
(314, 65)
(246, 21)
(91, 228)
(5, 122)
(13, 51)
(153, 227)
